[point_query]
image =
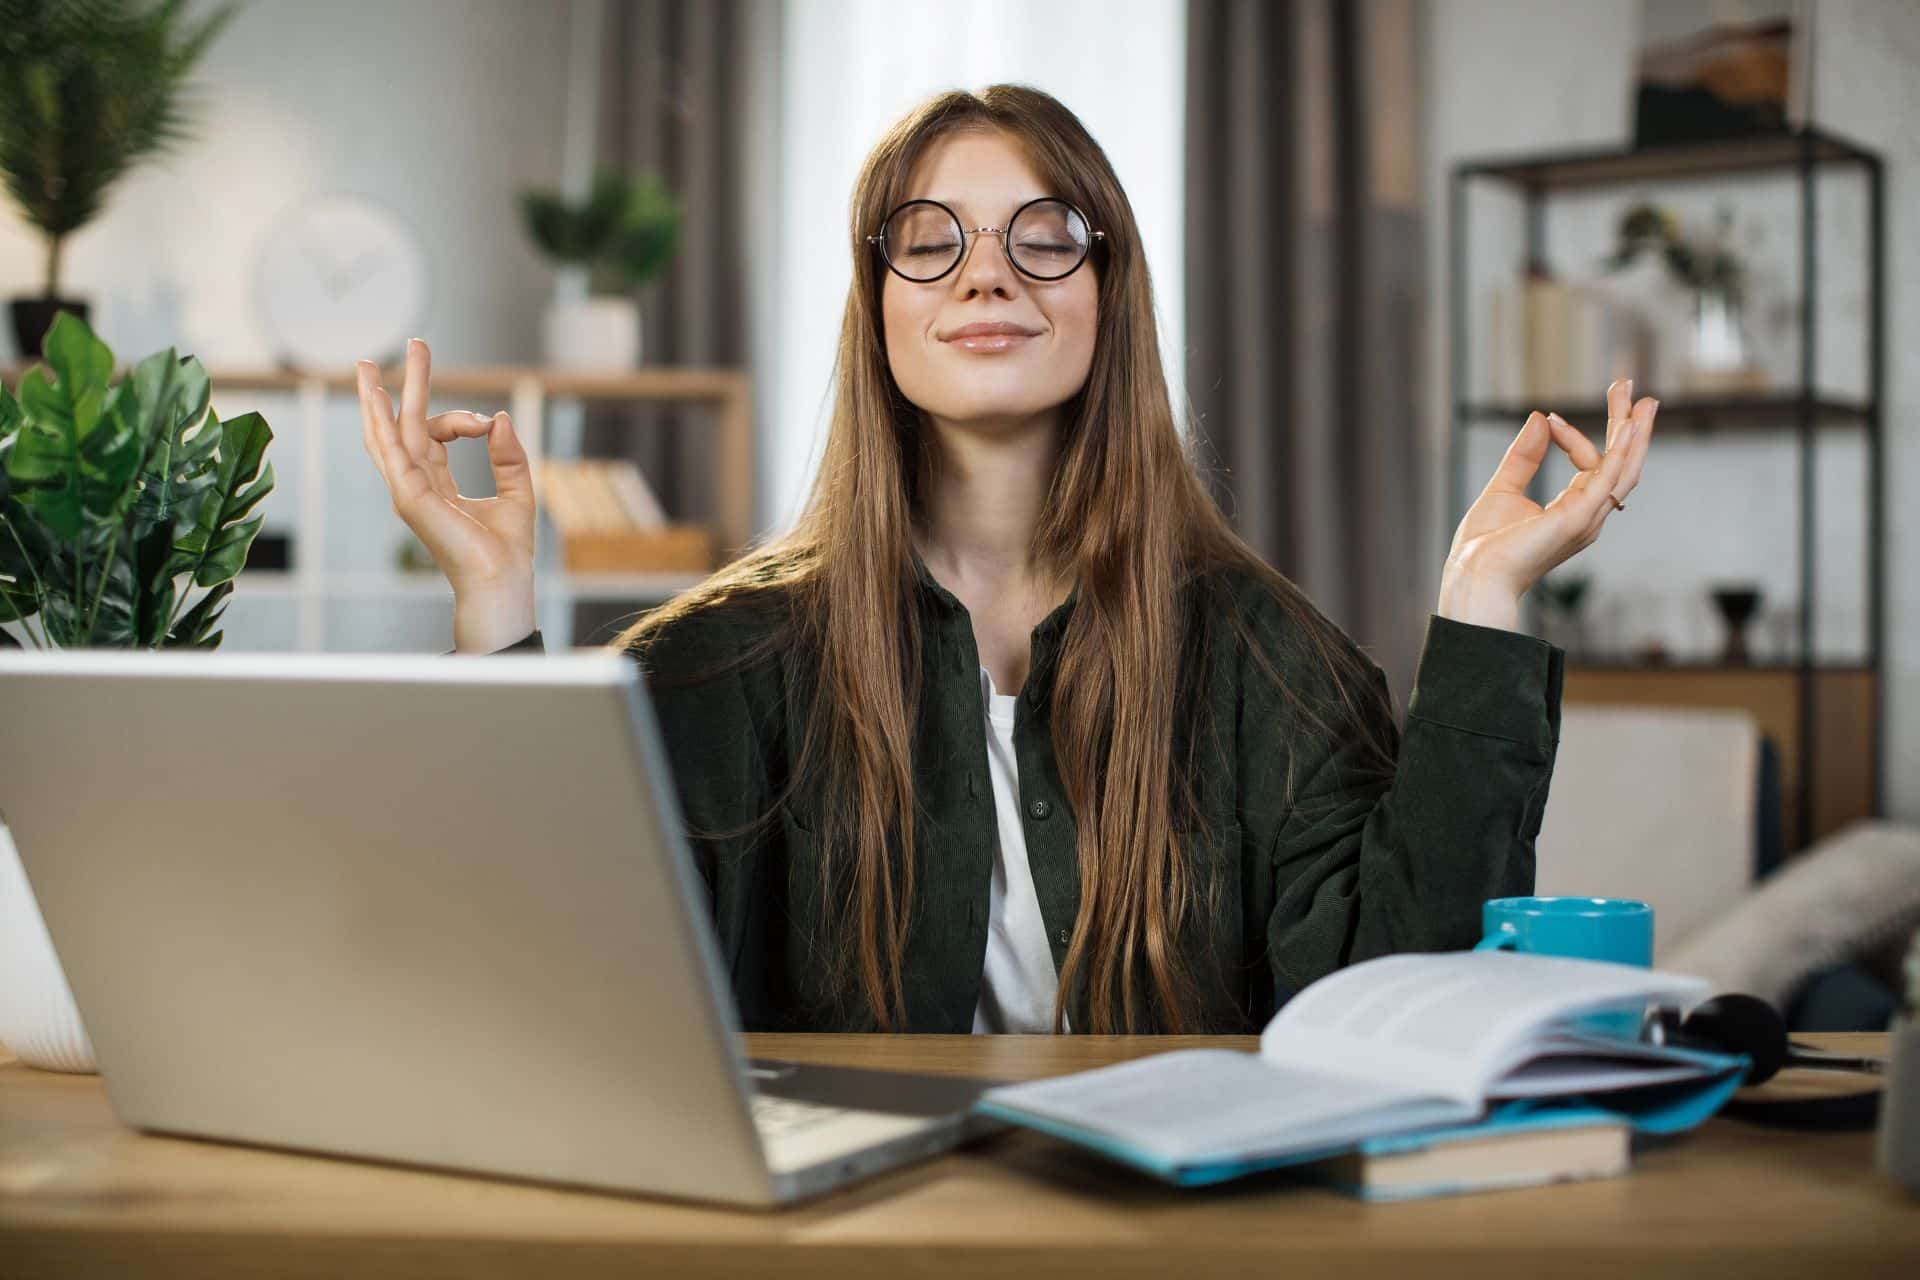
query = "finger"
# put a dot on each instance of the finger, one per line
(1522, 458)
(371, 425)
(1573, 441)
(1643, 415)
(413, 400)
(512, 473)
(457, 424)
(1619, 401)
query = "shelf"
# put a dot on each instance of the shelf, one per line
(1691, 667)
(664, 382)
(289, 584)
(1612, 166)
(1780, 411)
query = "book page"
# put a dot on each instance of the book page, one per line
(1205, 1105)
(1448, 1022)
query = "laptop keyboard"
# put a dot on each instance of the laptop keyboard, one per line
(778, 1117)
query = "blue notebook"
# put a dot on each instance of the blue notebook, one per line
(1403, 1045)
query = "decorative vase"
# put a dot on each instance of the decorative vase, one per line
(1737, 603)
(38, 1018)
(32, 317)
(1719, 356)
(600, 334)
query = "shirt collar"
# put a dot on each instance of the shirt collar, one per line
(1049, 626)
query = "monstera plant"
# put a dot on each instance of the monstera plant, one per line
(116, 501)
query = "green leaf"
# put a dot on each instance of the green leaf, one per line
(195, 627)
(75, 455)
(211, 546)
(83, 363)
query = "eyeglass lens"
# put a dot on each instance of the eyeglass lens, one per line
(1048, 239)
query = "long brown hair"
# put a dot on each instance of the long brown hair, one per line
(1128, 518)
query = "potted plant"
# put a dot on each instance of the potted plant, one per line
(86, 91)
(1718, 355)
(622, 236)
(116, 502)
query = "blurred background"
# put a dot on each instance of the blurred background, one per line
(1380, 232)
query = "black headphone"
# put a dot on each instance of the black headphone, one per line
(1749, 1025)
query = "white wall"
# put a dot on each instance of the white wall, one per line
(440, 109)
(1554, 74)
(852, 67)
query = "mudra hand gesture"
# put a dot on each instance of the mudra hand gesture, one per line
(483, 545)
(1507, 541)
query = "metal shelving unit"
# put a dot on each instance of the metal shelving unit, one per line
(1802, 409)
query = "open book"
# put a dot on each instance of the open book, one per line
(1393, 1045)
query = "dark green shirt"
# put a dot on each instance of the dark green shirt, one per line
(1364, 861)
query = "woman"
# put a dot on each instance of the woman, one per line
(1011, 732)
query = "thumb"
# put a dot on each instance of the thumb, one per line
(512, 476)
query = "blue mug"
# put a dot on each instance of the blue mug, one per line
(1615, 929)
(1618, 930)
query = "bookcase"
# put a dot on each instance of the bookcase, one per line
(1826, 716)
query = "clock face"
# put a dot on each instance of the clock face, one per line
(341, 279)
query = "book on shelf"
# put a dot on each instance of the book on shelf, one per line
(1393, 1046)
(611, 522)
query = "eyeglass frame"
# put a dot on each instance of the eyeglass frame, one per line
(1093, 237)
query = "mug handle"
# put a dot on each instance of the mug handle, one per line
(1503, 940)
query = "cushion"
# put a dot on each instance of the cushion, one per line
(1848, 893)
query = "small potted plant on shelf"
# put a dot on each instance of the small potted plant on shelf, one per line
(622, 236)
(86, 92)
(1718, 357)
(116, 502)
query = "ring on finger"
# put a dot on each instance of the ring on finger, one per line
(1617, 504)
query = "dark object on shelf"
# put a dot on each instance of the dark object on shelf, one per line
(32, 317)
(270, 550)
(1737, 604)
(1726, 81)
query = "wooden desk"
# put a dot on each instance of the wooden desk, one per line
(82, 1196)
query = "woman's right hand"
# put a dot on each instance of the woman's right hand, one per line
(483, 545)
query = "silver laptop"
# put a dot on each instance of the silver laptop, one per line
(430, 909)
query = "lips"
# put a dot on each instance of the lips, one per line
(989, 335)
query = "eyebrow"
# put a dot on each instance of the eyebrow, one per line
(957, 205)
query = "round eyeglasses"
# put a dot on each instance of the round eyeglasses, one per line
(1046, 239)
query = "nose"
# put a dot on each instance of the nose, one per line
(984, 271)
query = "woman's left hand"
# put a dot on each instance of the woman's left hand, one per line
(1507, 541)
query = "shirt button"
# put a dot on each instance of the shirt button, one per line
(1040, 809)
(1063, 937)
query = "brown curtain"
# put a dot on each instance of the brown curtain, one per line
(1304, 270)
(672, 101)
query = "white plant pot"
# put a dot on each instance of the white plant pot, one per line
(598, 334)
(38, 1019)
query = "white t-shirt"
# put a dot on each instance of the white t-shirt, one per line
(1017, 984)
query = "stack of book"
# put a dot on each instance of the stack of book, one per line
(1406, 1076)
(610, 521)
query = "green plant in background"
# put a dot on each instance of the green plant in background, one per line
(110, 495)
(627, 228)
(1706, 265)
(87, 89)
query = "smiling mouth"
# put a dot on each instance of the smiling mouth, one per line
(986, 343)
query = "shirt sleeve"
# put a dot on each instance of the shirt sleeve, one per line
(529, 643)
(1371, 855)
